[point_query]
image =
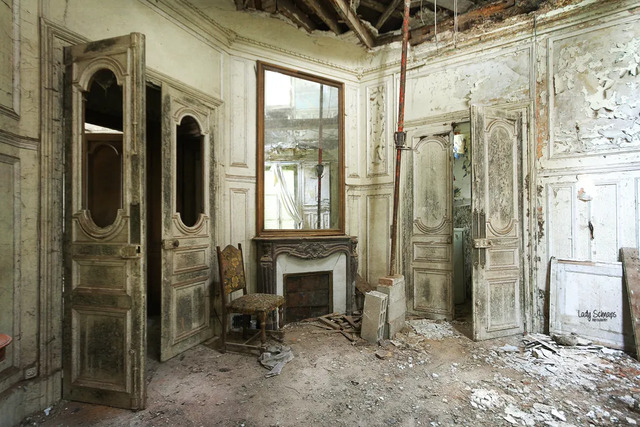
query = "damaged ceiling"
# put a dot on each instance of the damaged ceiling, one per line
(379, 22)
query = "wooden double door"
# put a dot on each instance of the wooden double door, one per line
(137, 220)
(496, 223)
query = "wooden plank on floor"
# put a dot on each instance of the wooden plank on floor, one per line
(329, 323)
(350, 321)
(631, 279)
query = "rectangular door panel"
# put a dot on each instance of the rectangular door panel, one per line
(432, 292)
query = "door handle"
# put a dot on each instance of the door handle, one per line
(170, 243)
(482, 243)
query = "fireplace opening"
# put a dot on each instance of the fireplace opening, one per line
(308, 295)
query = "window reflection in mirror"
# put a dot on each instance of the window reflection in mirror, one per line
(300, 152)
(103, 148)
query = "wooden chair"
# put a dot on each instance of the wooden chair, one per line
(232, 279)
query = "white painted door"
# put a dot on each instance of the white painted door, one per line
(496, 141)
(431, 244)
(104, 294)
(186, 225)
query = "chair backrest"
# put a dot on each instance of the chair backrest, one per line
(231, 269)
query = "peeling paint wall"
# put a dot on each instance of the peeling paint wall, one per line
(596, 82)
(455, 85)
(587, 145)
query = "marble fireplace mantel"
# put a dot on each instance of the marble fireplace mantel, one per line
(309, 249)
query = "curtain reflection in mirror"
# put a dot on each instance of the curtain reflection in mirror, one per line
(301, 153)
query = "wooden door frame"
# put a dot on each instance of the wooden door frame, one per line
(531, 301)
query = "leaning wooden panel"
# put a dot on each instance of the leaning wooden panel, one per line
(589, 299)
(631, 278)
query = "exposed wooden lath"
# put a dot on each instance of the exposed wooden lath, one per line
(378, 22)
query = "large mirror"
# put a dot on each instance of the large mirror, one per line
(300, 153)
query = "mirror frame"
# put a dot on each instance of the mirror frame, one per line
(340, 231)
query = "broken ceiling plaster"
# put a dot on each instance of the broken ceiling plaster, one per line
(595, 88)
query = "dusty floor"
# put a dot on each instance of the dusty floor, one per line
(429, 375)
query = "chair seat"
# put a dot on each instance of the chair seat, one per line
(253, 303)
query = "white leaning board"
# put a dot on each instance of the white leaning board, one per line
(589, 298)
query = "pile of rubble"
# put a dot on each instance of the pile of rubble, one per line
(567, 364)
(558, 381)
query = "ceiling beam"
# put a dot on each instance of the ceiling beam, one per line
(426, 32)
(379, 7)
(387, 13)
(268, 6)
(325, 14)
(463, 5)
(353, 22)
(291, 11)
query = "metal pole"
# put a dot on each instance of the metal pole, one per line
(399, 136)
(319, 166)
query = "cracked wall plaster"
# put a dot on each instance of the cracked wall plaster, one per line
(595, 89)
(494, 80)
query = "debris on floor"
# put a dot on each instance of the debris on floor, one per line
(570, 340)
(274, 358)
(432, 329)
(347, 325)
(441, 378)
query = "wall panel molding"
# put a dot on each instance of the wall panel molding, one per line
(10, 70)
(378, 216)
(10, 288)
(18, 141)
(561, 213)
(352, 133)
(239, 109)
(378, 129)
(239, 214)
(355, 224)
(240, 178)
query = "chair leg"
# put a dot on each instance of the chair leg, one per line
(263, 326)
(223, 347)
(246, 323)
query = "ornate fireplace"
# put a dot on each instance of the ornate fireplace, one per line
(279, 257)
